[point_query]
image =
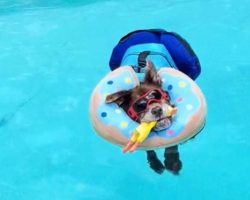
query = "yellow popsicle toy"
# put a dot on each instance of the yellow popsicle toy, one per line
(139, 135)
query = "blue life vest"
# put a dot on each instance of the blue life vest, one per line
(164, 49)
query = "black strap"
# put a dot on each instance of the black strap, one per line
(142, 62)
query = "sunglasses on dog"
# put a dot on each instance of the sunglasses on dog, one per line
(140, 105)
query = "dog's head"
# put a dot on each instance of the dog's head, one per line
(146, 102)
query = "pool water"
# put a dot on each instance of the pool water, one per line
(53, 53)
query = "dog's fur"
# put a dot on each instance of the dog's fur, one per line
(151, 81)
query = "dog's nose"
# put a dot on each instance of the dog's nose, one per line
(157, 111)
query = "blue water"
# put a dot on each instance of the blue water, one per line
(53, 53)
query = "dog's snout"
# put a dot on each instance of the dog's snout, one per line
(157, 111)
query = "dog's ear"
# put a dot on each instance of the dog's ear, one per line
(151, 76)
(119, 97)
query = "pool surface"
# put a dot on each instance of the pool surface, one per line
(53, 53)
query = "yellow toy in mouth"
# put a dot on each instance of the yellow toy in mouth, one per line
(142, 132)
(139, 135)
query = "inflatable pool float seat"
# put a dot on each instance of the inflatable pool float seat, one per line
(113, 124)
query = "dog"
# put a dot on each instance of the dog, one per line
(148, 102)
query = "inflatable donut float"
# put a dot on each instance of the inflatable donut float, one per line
(113, 124)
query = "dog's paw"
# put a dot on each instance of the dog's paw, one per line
(155, 163)
(157, 166)
(173, 166)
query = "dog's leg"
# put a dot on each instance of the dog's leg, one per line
(154, 162)
(172, 160)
